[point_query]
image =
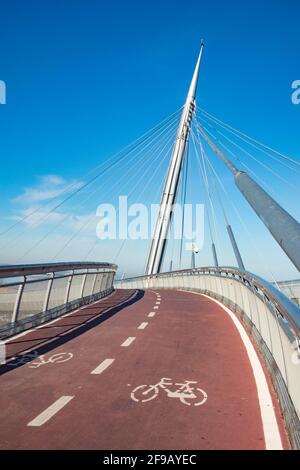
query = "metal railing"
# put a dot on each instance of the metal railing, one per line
(33, 294)
(291, 289)
(272, 318)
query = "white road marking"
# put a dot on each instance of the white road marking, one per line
(151, 314)
(128, 341)
(55, 358)
(183, 391)
(156, 307)
(51, 411)
(104, 365)
(158, 302)
(142, 325)
(268, 416)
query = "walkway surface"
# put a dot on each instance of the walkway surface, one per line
(80, 387)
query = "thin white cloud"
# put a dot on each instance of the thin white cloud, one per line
(33, 217)
(85, 223)
(52, 180)
(47, 188)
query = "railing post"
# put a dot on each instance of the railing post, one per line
(94, 282)
(16, 309)
(102, 282)
(68, 287)
(82, 285)
(48, 292)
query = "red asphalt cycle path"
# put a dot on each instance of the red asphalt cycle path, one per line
(189, 337)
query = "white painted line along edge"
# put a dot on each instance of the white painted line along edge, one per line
(51, 411)
(128, 341)
(104, 365)
(156, 307)
(151, 314)
(269, 421)
(142, 326)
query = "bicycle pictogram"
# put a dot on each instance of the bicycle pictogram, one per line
(187, 394)
(37, 361)
(59, 357)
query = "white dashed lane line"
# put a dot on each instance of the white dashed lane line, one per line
(128, 341)
(53, 409)
(50, 411)
(104, 365)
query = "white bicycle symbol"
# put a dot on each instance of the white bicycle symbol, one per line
(58, 357)
(183, 391)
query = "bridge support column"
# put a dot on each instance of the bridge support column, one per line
(235, 248)
(158, 245)
(214, 252)
(282, 226)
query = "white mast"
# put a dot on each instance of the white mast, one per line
(158, 244)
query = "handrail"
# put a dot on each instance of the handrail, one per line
(285, 306)
(31, 294)
(32, 269)
(289, 282)
(272, 320)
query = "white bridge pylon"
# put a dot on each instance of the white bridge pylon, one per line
(281, 225)
(158, 245)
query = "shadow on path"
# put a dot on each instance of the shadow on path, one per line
(68, 329)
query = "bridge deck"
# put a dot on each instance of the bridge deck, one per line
(131, 339)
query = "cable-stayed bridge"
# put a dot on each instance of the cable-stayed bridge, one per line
(184, 355)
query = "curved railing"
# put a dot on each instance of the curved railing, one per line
(34, 293)
(272, 319)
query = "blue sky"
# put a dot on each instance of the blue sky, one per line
(85, 78)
